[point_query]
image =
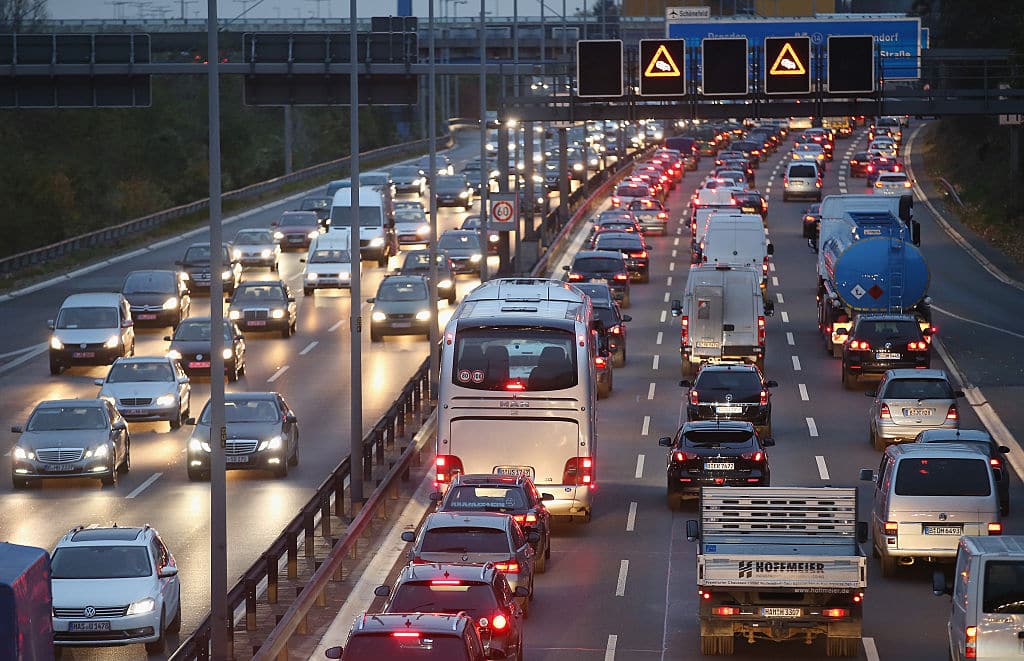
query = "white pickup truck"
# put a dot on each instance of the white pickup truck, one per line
(779, 563)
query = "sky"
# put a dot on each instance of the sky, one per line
(108, 9)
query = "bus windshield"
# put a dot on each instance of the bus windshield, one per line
(514, 359)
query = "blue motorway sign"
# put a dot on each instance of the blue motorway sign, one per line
(899, 39)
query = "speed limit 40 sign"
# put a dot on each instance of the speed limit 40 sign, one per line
(503, 211)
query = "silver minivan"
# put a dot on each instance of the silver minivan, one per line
(928, 496)
(91, 329)
(987, 610)
(801, 179)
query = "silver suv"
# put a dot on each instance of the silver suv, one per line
(909, 401)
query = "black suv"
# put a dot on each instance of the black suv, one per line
(423, 636)
(478, 591)
(633, 248)
(731, 392)
(612, 320)
(514, 495)
(264, 305)
(880, 342)
(709, 453)
(602, 266)
(981, 440)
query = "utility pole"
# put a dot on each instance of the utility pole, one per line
(356, 321)
(485, 174)
(435, 335)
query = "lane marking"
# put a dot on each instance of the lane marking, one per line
(775, 281)
(771, 266)
(803, 392)
(977, 323)
(620, 585)
(811, 427)
(778, 295)
(646, 426)
(789, 339)
(277, 375)
(25, 357)
(671, 266)
(336, 326)
(675, 253)
(675, 241)
(822, 468)
(796, 363)
(650, 392)
(639, 466)
(663, 313)
(142, 487)
(785, 317)
(309, 347)
(870, 650)
(668, 281)
(609, 652)
(22, 350)
(655, 365)
(660, 335)
(631, 518)
(667, 294)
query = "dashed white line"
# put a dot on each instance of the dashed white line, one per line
(789, 339)
(675, 253)
(785, 317)
(609, 652)
(654, 365)
(675, 241)
(668, 281)
(667, 295)
(650, 391)
(631, 518)
(336, 326)
(646, 428)
(620, 585)
(812, 428)
(803, 392)
(671, 266)
(771, 266)
(277, 375)
(142, 487)
(775, 281)
(309, 347)
(639, 466)
(796, 363)
(822, 469)
(660, 337)
(778, 295)
(663, 315)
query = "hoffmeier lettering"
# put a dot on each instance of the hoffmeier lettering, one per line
(748, 568)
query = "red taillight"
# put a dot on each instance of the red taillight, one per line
(764, 266)
(510, 567)
(681, 456)
(639, 255)
(499, 622)
(884, 414)
(760, 330)
(859, 345)
(836, 612)
(952, 413)
(516, 385)
(622, 276)
(445, 582)
(785, 181)
(725, 610)
(599, 361)
(575, 277)
(753, 456)
(854, 161)
(764, 398)
(445, 467)
(871, 168)
(971, 643)
(685, 325)
(891, 527)
(995, 528)
(996, 462)
(405, 634)
(694, 397)
(579, 471)
(616, 201)
(917, 346)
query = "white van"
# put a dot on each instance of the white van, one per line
(377, 238)
(91, 329)
(722, 315)
(987, 613)
(736, 240)
(329, 262)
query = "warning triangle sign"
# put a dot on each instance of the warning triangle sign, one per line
(662, 65)
(787, 63)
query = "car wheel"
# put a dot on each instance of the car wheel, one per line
(233, 372)
(888, 565)
(540, 563)
(603, 391)
(19, 483)
(306, 291)
(673, 501)
(625, 301)
(294, 459)
(126, 465)
(178, 419)
(848, 379)
(55, 366)
(281, 471)
(160, 644)
(451, 299)
(274, 267)
(241, 369)
(195, 475)
(382, 261)
(110, 480)
(375, 336)
(619, 358)
(175, 624)
(878, 442)
(547, 549)
(286, 332)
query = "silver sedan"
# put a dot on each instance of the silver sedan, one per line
(148, 389)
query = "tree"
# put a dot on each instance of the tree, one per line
(14, 14)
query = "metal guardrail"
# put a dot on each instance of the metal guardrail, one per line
(329, 498)
(951, 191)
(102, 237)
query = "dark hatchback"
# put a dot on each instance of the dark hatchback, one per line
(718, 454)
(611, 318)
(295, 230)
(321, 206)
(751, 201)
(633, 248)
(601, 266)
(859, 164)
(984, 442)
(157, 298)
(195, 266)
(191, 343)
(731, 392)
(880, 342)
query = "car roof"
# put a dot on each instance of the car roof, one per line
(57, 403)
(953, 435)
(936, 450)
(460, 519)
(885, 317)
(261, 283)
(457, 232)
(918, 374)
(727, 367)
(434, 623)
(444, 570)
(113, 536)
(477, 479)
(403, 277)
(599, 253)
(245, 396)
(712, 425)
(141, 359)
(92, 298)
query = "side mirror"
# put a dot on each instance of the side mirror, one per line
(371, 300)
(862, 531)
(677, 308)
(167, 338)
(168, 572)
(547, 497)
(939, 584)
(302, 260)
(50, 324)
(382, 590)
(435, 496)
(16, 429)
(771, 248)
(98, 382)
(771, 384)
(522, 591)
(334, 652)
(958, 393)
(768, 442)
(190, 421)
(867, 475)
(1003, 449)
(650, 249)
(566, 268)
(769, 308)
(533, 537)
(291, 299)
(692, 530)
(665, 441)
(627, 318)
(291, 419)
(408, 536)
(685, 384)
(869, 393)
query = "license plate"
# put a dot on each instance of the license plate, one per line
(718, 466)
(146, 316)
(781, 612)
(84, 354)
(199, 364)
(515, 471)
(236, 459)
(709, 344)
(918, 412)
(944, 530)
(134, 412)
(887, 355)
(58, 468)
(401, 324)
(729, 409)
(94, 625)
(602, 281)
(259, 322)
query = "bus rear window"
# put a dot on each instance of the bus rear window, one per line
(515, 359)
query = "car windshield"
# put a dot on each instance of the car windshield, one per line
(246, 410)
(315, 203)
(508, 358)
(893, 178)
(488, 498)
(1003, 590)
(918, 389)
(942, 476)
(149, 282)
(444, 597)
(136, 372)
(86, 318)
(410, 216)
(259, 294)
(260, 237)
(471, 223)
(301, 219)
(405, 171)
(427, 647)
(410, 290)
(56, 418)
(368, 216)
(197, 331)
(465, 539)
(887, 331)
(606, 316)
(329, 257)
(420, 261)
(450, 241)
(86, 562)
(717, 436)
(596, 265)
(450, 183)
(201, 254)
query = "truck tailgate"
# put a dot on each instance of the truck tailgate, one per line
(809, 573)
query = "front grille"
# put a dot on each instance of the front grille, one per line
(60, 455)
(146, 308)
(101, 611)
(237, 446)
(136, 401)
(400, 317)
(256, 315)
